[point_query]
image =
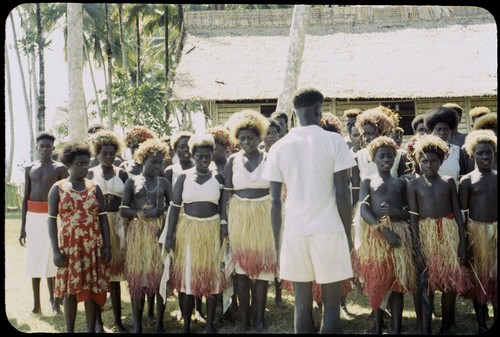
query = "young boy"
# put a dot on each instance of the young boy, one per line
(385, 255)
(438, 229)
(477, 192)
(39, 177)
(145, 200)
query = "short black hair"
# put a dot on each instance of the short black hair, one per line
(45, 135)
(440, 115)
(307, 97)
(73, 149)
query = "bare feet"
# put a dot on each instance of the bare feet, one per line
(279, 304)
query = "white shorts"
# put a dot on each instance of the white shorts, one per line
(323, 257)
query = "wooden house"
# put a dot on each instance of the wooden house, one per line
(411, 58)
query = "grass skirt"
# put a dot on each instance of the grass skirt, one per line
(143, 264)
(251, 235)
(196, 266)
(483, 244)
(117, 264)
(439, 241)
(383, 268)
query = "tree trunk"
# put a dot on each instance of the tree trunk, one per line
(122, 39)
(91, 68)
(41, 64)
(10, 159)
(110, 70)
(77, 113)
(138, 51)
(294, 62)
(29, 113)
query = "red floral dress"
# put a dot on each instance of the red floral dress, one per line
(80, 239)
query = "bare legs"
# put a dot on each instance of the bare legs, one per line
(54, 302)
(70, 309)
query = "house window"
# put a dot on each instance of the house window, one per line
(267, 110)
(406, 112)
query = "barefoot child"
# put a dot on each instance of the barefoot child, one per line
(477, 192)
(385, 255)
(145, 199)
(437, 224)
(39, 177)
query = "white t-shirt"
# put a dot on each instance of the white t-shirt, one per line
(305, 160)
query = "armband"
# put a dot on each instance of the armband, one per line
(414, 213)
(123, 206)
(53, 216)
(175, 205)
(103, 213)
(355, 188)
(223, 222)
(229, 188)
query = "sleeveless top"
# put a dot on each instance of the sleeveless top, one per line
(243, 179)
(208, 191)
(112, 186)
(451, 165)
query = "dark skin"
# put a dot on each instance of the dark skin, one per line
(303, 322)
(387, 197)
(78, 170)
(185, 160)
(38, 179)
(136, 202)
(443, 131)
(106, 158)
(202, 157)
(433, 196)
(477, 192)
(249, 140)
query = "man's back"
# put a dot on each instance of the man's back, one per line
(306, 160)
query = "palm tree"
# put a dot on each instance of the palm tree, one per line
(77, 122)
(11, 116)
(295, 51)
(41, 64)
(27, 103)
(110, 68)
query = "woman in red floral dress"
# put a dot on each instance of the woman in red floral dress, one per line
(81, 245)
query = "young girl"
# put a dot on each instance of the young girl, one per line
(477, 192)
(247, 218)
(439, 233)
(111, 180)
(145, 199)
(385, 256)
(81, 245)
(195, 235)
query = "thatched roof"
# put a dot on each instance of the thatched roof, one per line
(350, 52)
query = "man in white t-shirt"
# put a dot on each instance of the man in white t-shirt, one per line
(316, 243)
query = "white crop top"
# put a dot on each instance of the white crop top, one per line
(112, 186)
(208, 191)
(243, 179)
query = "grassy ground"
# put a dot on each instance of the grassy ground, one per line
(19, 303)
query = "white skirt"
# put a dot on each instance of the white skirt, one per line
(39, 257)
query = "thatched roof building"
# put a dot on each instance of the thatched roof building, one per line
(351, 53)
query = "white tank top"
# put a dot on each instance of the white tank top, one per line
(243, 179)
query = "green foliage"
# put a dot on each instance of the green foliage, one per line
(137, 105)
